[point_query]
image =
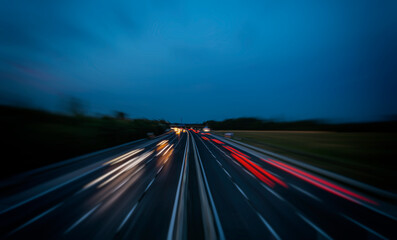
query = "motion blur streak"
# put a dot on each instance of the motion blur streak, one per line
(314, 180)
(168, 149)
(244, 157)
(123, 157)
(162, 142)
(328, 183)
(205, 138)
(162, 150)
(236, 151)
(314, 183)
(252, 170)
(217, 141)
(266, 173)
(133, 162)
(193, 189)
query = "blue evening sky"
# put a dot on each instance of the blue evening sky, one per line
(203, 60)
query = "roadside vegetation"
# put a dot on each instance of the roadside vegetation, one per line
(34, 138)
(306, 125)
(367, 152)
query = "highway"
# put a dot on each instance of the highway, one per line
(188, 185)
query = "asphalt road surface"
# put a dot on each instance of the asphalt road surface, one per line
(188, 185)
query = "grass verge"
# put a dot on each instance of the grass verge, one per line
(367, 157)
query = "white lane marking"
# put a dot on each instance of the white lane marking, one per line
(275, 235)
(246, 171)
(82, 218)
(236, 164)
(158, 171)
(121, 184)
(179, 140)
(219, 162)
(147, 163)
(176, 201)
(49, 190)
(361, 203)
(241, 191)
(35, 218)
(273, 192)
(148, 186)
(206, 208)
(56, 187)
(207, 147)
(378, 211)
(218, 222)
(305, 192)
(365, 227)
(217, 148)
(127, 217)
(278, 176)
(314, 226)
(227, 173)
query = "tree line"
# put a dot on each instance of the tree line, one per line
(36, 138)
(306, 125)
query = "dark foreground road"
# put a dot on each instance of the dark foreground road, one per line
(189, 185)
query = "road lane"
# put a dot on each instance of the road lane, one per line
(234, 192)
(212, 225)
(324, 216)
(77, 199)
(192, 186)
(33, 187)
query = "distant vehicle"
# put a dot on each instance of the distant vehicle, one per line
(229, 135)
(150, 135)
(206, 129)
